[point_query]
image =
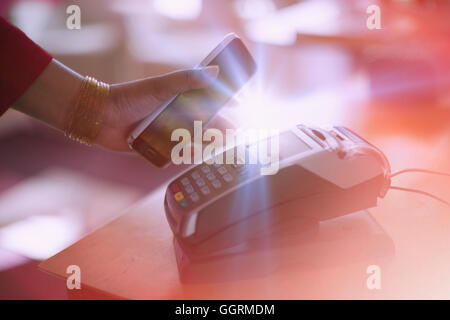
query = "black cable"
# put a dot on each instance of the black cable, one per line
(419, 170)
(421, 192)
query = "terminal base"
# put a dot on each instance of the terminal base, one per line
(353, 238)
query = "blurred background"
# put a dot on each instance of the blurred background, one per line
(318, 64)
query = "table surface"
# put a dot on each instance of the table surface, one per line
(133, 257)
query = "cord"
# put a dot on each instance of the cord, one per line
(421, 192)
(419, 170)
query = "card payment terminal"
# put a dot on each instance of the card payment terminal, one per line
(322, 174)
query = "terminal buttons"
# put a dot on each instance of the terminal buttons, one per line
(175, 188)
(195, 175)
(222, 170)
(203, 181)
(206, 169)
(216, 184)
(200, 182)
(189, 188)
(227, 177)
(205, 190)
(178, 196)
(194, 197)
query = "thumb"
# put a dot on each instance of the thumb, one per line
(170, 84)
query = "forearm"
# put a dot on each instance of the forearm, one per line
(51, 95)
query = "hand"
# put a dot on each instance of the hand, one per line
(131, 102)
(53, 94)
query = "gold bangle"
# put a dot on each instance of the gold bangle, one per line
(84, 120)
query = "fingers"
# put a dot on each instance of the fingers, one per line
(168, 85)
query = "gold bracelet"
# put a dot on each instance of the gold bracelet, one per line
(84, 121)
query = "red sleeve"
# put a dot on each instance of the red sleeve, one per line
(21, 62)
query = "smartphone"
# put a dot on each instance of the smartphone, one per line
(152, 137)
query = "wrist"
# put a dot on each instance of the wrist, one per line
(51, 95)
(85, 118)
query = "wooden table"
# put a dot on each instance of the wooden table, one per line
(133, 257)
